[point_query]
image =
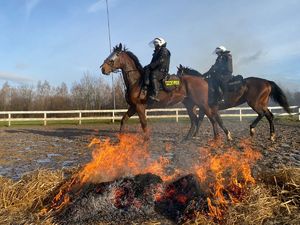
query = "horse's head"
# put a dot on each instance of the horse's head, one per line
(112, 62)
(180, 70)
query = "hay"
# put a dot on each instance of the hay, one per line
(275, 199)
(20, 201)
(256, 208)
(285, 186)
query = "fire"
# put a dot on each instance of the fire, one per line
(226, 173)
(223, 172)
(128, 156)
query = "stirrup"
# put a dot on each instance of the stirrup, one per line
(154, 98)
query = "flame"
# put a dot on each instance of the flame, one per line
(226, 173)
(223, 170)
(128, 156)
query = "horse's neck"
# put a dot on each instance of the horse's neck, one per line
(131, 75)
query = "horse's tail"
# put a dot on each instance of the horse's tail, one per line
(278, 96)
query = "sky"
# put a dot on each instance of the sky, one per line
(60, 40)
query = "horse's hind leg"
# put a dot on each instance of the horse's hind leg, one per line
(270, 117)
(130, 112)
(213, 121)
(193, 118)
(255, 122)
(199, 121)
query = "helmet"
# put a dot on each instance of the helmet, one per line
(158, 41)
(219, 49)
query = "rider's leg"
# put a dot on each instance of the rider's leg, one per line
(146, 78)
(211, 91)
(155, 85)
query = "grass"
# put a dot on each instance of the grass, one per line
(288, 119)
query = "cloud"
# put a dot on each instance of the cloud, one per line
(13, 77)
(30, 5)
(250, 58)
(101, 5)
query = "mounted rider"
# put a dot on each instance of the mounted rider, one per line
(158, 68)
(219, 74)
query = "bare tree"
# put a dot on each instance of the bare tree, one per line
(120, 93)
(5, 97)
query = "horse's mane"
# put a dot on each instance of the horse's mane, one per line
(136, 61)
(132, 56)
(190, 71)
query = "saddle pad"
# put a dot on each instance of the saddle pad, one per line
(169, 83)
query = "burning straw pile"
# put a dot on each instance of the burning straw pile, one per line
(124, 185)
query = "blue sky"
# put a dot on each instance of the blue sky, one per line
(59, 40)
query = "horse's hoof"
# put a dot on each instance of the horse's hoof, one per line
(229, 137)
(273, 137)
(252, 132)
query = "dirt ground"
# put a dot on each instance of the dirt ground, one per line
(25, 149)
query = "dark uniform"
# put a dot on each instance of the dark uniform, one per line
(158, 68)
(219, 74)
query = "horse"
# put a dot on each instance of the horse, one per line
(189, 92)
(254, 91)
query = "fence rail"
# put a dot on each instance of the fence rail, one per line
(113, 114)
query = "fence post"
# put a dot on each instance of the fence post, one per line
(299, 113)
(45, 118)
(146, 114)
(79, 118)
(9, 117)
(177, 115)
(240, 114)
(113, 116)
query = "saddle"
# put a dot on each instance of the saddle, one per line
(235, 83)
(170, 82)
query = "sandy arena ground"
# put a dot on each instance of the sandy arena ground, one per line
(25, 149)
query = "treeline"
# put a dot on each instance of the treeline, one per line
(90, 93)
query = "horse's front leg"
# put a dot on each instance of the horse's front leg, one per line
(130, 112)
(141, 111)
(221, 124)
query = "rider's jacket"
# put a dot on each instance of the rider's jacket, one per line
(160, 60)
(223, 65)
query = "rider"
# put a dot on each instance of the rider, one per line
(220, 73)
(158, 67)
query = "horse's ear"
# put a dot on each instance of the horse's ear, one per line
(120, 46)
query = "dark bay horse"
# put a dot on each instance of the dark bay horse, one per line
(256, 92)
(189, 92)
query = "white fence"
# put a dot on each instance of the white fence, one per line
(81, 115)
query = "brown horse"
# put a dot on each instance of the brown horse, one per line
(256, 92)
(189, 92)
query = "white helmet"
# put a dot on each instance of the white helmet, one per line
(157, 42)
(219, 49)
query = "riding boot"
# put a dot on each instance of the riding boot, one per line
(220, 95)
(146, 79)
(155, 85)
